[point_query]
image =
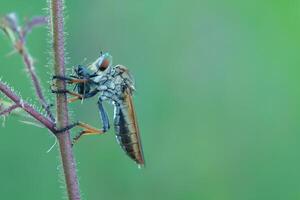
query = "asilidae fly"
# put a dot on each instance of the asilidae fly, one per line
(113, 84)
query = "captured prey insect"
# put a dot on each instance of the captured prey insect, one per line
(113, 84)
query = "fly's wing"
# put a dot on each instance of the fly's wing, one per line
(127, 131)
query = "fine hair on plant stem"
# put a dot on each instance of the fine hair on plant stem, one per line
(58, 125)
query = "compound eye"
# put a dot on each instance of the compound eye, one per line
(104, 65)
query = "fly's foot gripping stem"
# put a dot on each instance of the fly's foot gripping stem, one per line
(87, 130)
(61, 130)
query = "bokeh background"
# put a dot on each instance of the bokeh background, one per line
(217, 101)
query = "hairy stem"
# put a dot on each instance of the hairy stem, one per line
(34, 22)
(30, 64)
(36, 83)
(26, 107)
(17, 34)
(8, 110)
(69, 166)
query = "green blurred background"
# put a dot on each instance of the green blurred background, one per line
(217, 101)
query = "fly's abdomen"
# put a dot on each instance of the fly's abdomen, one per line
(127, 132)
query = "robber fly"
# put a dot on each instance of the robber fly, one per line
(113, 84)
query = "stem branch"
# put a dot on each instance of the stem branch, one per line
(36, 83)
(8, 110)
(17, 34)
(28, 108)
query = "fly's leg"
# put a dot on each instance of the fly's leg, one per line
(70, 80)
(105, 122)
(87, 130)
(103, 116)
(76, 95)
(84, 96)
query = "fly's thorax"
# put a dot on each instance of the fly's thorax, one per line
(111, 90)
(100, 79)
(113, 82)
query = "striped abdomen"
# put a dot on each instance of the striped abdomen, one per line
(127, 131)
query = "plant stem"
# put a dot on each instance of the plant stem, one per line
(36, 82)
(10, 24)
(34, 22)
(68, 162)
(25, 106)
(8, 110)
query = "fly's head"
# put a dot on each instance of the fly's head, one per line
(103, 62)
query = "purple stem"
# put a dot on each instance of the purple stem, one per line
(36, 83)
(34, 22)
(11, 21)
(9, 109)
(68, 161)
(26, 107)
